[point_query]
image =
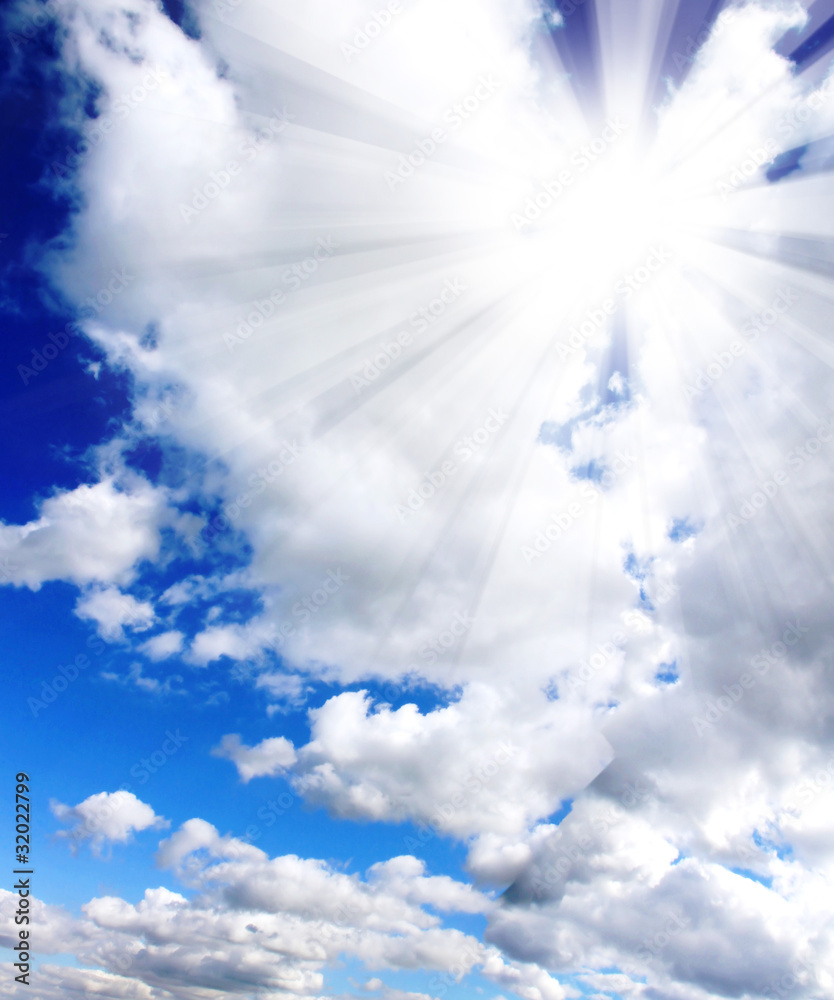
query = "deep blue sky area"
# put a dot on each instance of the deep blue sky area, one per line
(50, 418)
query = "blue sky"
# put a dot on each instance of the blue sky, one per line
(418, 589)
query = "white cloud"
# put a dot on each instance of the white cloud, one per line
(387, 993)
(281, 920)
(106, 818)
(112, 610)
(311, 912)
(270, 757)
(164, 645)
(235, 641)
(171, 684)
(94, 533)
(485, 765)
(56, 981)
(287, 690)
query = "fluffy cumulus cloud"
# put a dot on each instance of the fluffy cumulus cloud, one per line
(164, 645)
(270, 757)
(106, 818)
(112, 610)
(77, 984)
(92, 534)
(622, 888)
(484, 767)
(521, 408)
(280, 920)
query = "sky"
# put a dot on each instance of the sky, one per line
(416, 548)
